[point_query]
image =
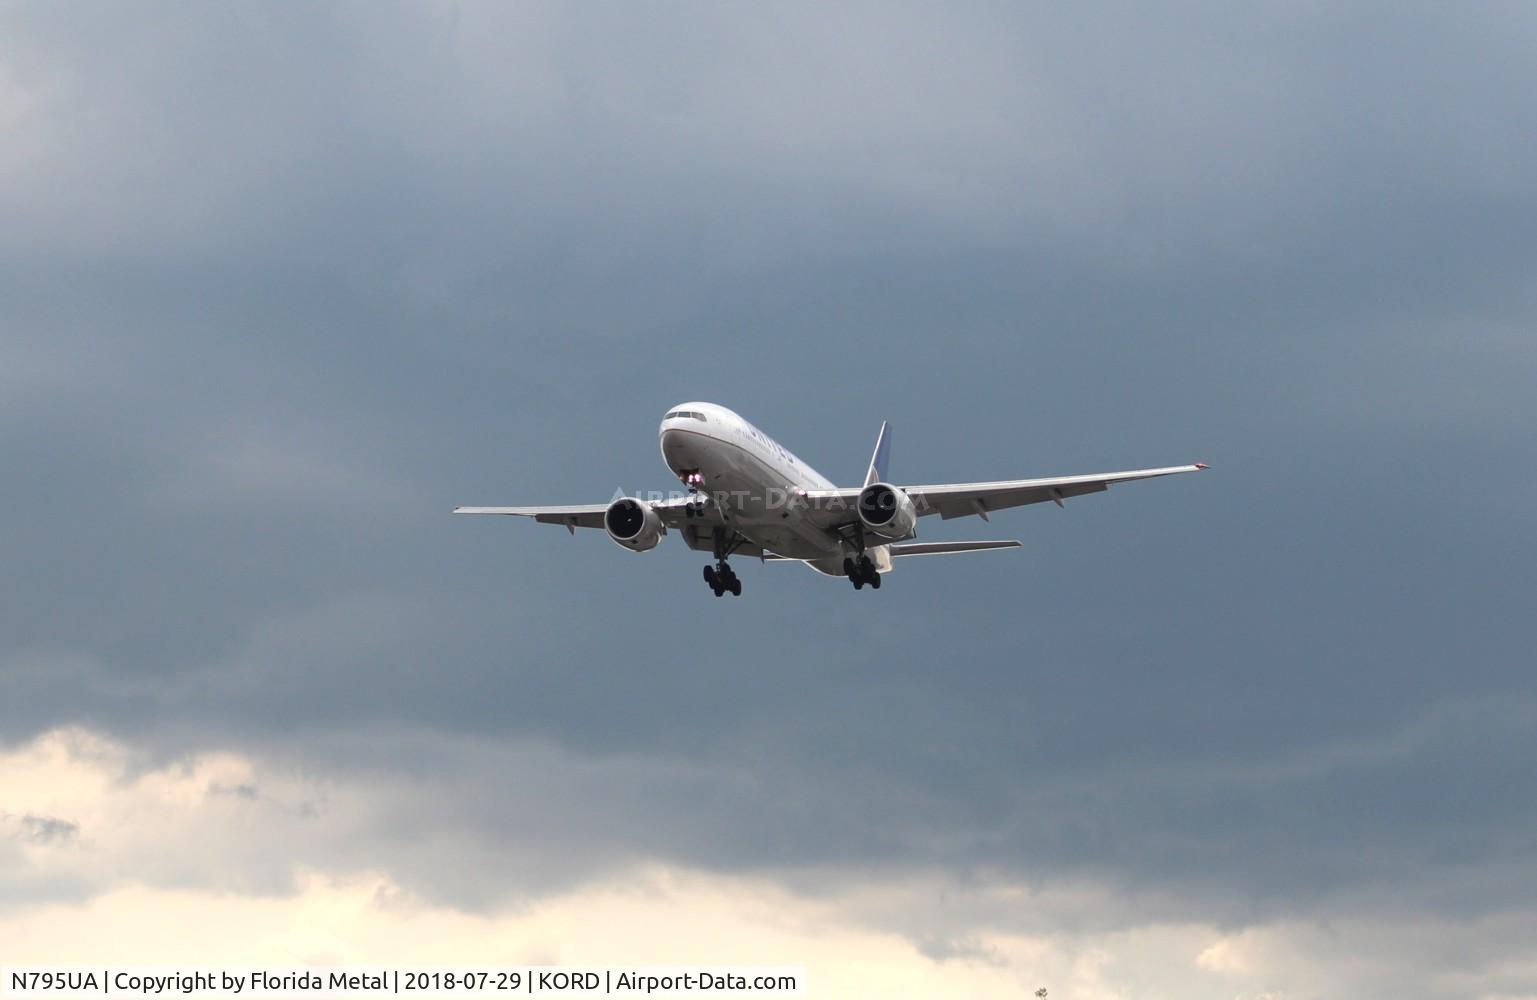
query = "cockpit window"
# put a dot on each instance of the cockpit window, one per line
(686, 415)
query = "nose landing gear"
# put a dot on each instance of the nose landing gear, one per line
(694, 480)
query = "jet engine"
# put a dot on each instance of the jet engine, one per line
(633, 524)
(887, 511)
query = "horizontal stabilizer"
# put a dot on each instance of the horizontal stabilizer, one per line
(573, 516)
(948, 548)
(921, 549)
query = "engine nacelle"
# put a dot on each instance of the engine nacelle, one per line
(887, 511)
(633, 524)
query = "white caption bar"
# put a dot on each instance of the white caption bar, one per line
(355, 982)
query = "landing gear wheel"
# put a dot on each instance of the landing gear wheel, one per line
(722, 579)
(862, 571)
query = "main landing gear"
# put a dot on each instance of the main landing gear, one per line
(862, 571)
(722, 579)
(860, 568)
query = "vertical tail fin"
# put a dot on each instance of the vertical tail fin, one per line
(877, 471)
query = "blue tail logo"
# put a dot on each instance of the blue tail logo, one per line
(877, 472)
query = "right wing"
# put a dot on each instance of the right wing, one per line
(959, 499)
(836, 507)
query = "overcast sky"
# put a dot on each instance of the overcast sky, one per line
(280, 285)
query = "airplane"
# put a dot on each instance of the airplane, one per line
(748, 495)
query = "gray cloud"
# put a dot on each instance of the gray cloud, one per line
(40, 829)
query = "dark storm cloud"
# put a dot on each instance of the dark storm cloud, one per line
(281, 287)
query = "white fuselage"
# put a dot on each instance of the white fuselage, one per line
(753, 477)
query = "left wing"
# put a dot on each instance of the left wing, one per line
(961, 499)
(590, 515)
